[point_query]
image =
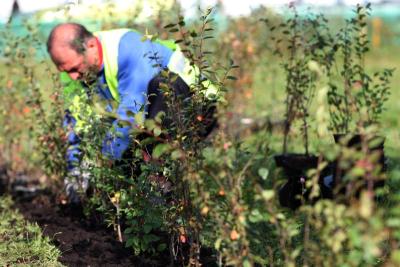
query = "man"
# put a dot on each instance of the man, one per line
(125, 71)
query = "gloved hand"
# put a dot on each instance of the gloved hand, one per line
(76, 182)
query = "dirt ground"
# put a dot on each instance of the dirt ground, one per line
(82, 243)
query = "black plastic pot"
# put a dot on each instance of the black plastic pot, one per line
(3, 179)
(376, 145)
(295, 167)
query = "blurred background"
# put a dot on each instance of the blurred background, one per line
(12, 9)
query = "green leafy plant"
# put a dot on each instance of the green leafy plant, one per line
(302, 44)
(356, 98)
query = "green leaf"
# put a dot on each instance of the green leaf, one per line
(396, 256)
(147, 228)
(130, 114)
(139, 118)
(157, 131)
(176, 154)
(217, 244)
(160, 115)
(263, 172)
(160, 149)
(268, 194)
(169, 25)
(128, 230)
(123, 123)
(161, 247)
(150, 124)
(246, 263)
(357, 171)
(132, 242)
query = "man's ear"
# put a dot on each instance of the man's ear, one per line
(90, 43)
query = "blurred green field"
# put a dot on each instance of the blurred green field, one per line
(268, 95)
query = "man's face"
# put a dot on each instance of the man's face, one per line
(82, 67)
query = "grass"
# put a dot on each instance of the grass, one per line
(22, 243)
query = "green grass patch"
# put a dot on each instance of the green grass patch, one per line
(22, 243)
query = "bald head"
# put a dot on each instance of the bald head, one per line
(74, 50)
(68, 36)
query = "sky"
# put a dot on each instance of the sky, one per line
(232, 7)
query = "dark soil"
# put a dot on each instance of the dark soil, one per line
(80, 242)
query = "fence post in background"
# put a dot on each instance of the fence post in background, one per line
(376, 32)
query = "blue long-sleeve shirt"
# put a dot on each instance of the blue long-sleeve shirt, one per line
(138, 62)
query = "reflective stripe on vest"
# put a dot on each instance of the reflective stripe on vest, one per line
(110, 45)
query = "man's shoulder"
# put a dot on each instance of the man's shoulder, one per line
(130, 36)
(116, 34)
